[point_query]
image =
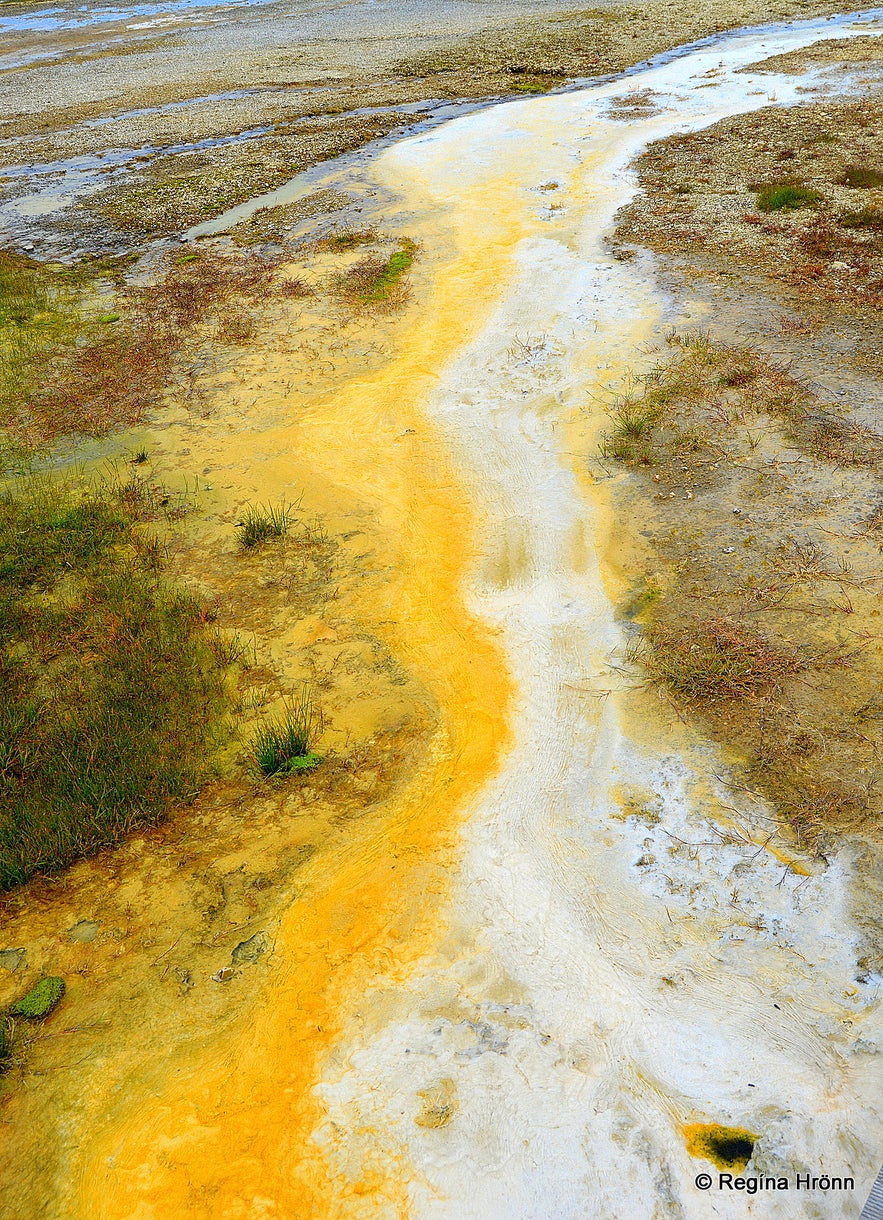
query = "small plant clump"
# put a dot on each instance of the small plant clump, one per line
(725, 1147)
(785, 197)
(718, 659)
(259, 524)
(40, 1000)
(534, 84)
(865, 218)
(376, 279)
(861, 177)
(281, 747)
(348, 239)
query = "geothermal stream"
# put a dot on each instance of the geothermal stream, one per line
(581, 1008)
(611, 963)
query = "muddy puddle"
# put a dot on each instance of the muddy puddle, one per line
(522, 985)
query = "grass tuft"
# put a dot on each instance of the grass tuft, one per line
(259, 524)
(864, 218)
(717, 659)
(861, 177)
(375, 279)
(283, 746)
(785, 197)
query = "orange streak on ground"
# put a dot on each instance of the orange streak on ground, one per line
(231, 1133)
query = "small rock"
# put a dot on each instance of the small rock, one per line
(251, 950)
(224, 975)
(11, 959)
(85, 930)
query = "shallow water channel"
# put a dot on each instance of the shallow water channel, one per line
(604, 977)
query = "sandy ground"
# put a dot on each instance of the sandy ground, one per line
(509, 990)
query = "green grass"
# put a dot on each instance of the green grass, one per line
(259, 524)
(38, 315)
(632, 425)
(112, 689)
(283, 746)
(785, 197)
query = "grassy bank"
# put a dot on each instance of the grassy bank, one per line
(113, 680)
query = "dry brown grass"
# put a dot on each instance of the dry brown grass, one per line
(719, 659)
(763, 624)
(685, 410)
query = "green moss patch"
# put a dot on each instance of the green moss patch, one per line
(40, 1000)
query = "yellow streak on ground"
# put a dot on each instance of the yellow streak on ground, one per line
(230, 1134)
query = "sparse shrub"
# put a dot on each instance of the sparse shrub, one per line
(259, 524)
(283, 746)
